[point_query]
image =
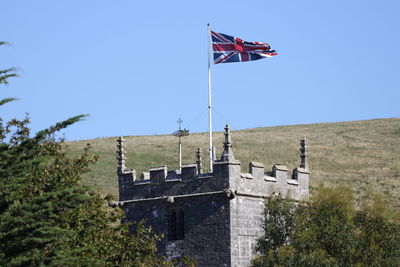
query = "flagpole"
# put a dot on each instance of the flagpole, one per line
(209, 101)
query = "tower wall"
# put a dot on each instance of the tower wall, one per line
(245, 223)
(206, 228)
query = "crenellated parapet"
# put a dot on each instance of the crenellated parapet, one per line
(160, 183)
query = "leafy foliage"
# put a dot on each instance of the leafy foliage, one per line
(279, 223)
(329, 230)
(46, 217)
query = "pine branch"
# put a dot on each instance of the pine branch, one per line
(7, 70)
(59, 126)
(3, 79)
(5, 74)
(6, 100)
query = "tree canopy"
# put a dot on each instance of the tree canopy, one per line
(329, 230)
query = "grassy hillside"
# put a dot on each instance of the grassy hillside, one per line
(362, 154)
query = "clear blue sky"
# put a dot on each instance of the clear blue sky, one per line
(137, 66)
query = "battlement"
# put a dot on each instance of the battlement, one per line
(160, 183)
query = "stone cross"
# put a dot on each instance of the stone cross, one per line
(304, 153)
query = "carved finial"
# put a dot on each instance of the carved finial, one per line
(228, 138)
(304, 153)
(121, 157)
(199, 161)
(227, 155)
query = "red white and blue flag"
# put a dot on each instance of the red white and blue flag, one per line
(232, 49)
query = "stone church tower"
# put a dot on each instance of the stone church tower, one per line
(212, 217)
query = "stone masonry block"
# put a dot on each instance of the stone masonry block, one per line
(256, 169)
(158, 174)
(280, 172)
(189, 171)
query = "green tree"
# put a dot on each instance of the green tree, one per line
(279, 219)
(47, 217)
(329, 230)
(378, 233)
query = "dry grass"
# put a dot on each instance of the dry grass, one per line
(362, 154)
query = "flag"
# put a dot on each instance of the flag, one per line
(232, 49)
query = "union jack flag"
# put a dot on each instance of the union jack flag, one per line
(232, 49)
